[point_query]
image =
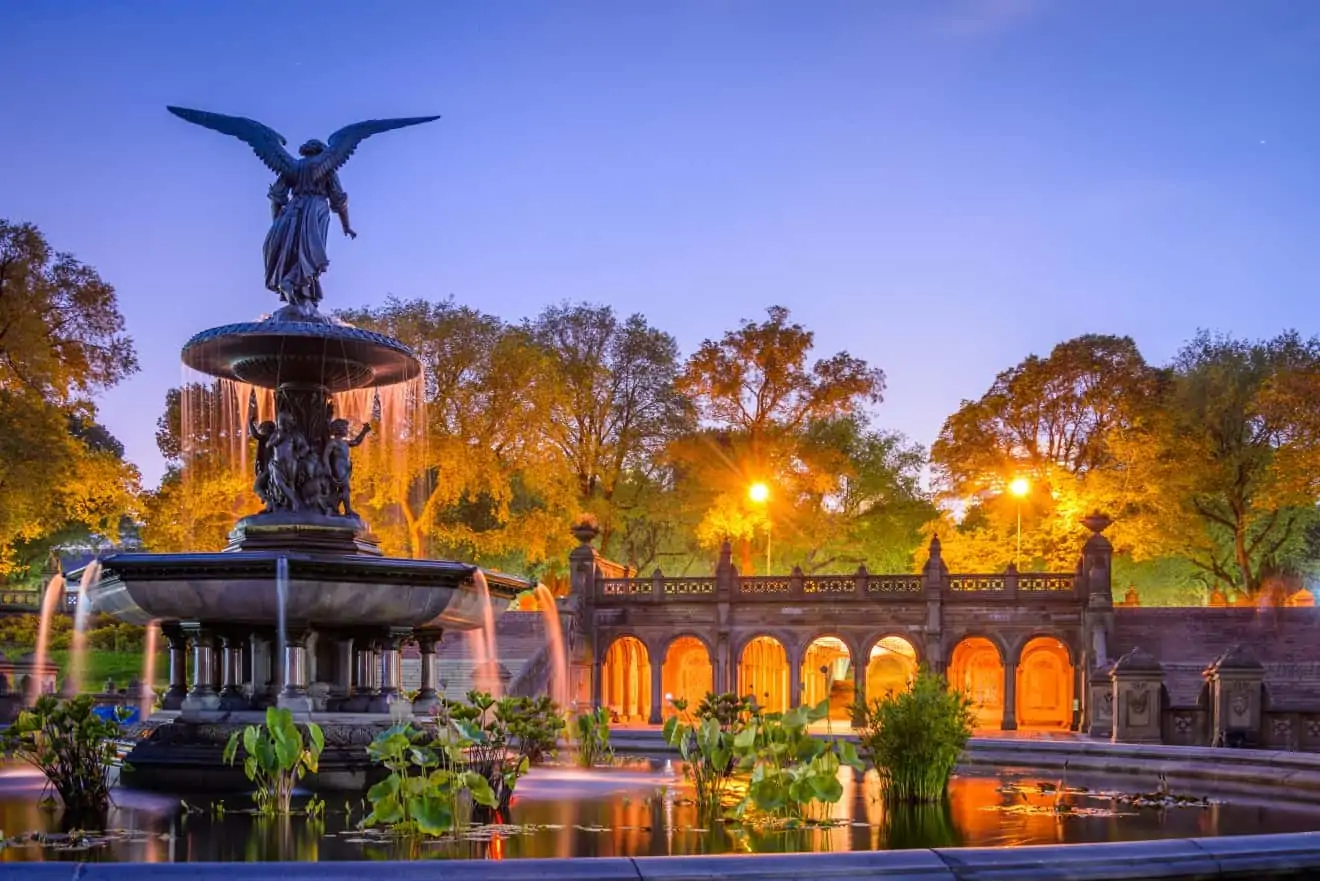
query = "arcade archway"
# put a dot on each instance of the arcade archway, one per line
(891, 667)
(626, 680)
(827, 673)
(763, 673)
(977, 668)
(687, 673)
(1044, 684)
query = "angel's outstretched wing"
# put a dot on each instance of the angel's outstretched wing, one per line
(343, 142)
(267, 143)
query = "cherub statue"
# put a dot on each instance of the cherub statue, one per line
(306, 190)
(262, 484)
(339, 464)
(282, 468)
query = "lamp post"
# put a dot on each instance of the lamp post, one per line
(759, 493)
(1019, 487)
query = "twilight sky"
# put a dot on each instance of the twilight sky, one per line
(938, 186)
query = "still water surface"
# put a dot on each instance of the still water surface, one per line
(641, 809)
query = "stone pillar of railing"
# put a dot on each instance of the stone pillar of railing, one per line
(795, 580)
(1138, 681)
(1100, 701)
(1094, 590)
(178, 690)
(583, 568)
(934, 581)
(863, 580)
(726, 573)
(582, 560)
(1011, 581)
(658, 584)
(1237, 691)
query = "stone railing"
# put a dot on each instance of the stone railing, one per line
(828, 588)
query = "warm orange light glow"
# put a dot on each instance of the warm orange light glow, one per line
(758, 492)
(1019, 486)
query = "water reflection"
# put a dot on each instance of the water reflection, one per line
(636, 810)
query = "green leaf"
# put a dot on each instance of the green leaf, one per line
(384, 789)
(231, 748)
(479, 786)
(432, 814)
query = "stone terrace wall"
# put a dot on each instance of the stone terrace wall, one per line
(1286, 641)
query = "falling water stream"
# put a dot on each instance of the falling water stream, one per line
(147, 702)
(78, 647)
(281, 605)
(554, 636)
(485, 652)
(50, 606)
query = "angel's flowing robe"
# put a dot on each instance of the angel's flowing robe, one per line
(295, 246)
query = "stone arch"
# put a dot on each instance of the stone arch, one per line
(891, 664)
(687, 672)
(1045, 683)
(1014, 652)
(763, 671)
(826, 670)
(625, 673)
(976, 666)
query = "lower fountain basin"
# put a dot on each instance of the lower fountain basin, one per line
(324, 591)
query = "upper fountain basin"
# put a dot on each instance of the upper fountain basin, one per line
(326, 591)
(272, 353)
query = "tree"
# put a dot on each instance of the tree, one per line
(61, 341)
(469, 473)
(615, 408)
(1240, 450)
(1078, 424)
(208, 479)
(763, 400)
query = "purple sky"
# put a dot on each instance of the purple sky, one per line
(938, 187)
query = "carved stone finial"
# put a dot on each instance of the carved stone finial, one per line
(585, 529)
(1097, 522)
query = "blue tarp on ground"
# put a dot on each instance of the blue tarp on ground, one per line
(128, 717)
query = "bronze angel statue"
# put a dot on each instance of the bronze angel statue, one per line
(305, 191)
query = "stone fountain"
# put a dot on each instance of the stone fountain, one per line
(304, 577)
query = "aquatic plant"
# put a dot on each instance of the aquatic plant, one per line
(501, 736)
(705, 739)
(785, 769)
(914, 737)
(534, 724)
(275, 757)
(591, 738)
(75, 748)
(423, 793)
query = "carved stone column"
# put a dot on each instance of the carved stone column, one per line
(1138, 681)
(794, 683)
(294, 694)
(365, 672)
(1237, 682)
(657, 693)
(203, 695)
(178, 690)
(231, 671)
(390, 670)
(1009, 719)
(859, 681)
(427, 697)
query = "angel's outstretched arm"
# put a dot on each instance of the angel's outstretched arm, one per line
(339, 204)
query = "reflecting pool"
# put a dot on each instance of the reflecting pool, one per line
(641, 808)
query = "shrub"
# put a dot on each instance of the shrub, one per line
(914, 738)
(72, 746)
(592, 738)
(276, 757)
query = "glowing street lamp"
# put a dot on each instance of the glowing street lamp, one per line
(759, 493)
(1018, 487)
